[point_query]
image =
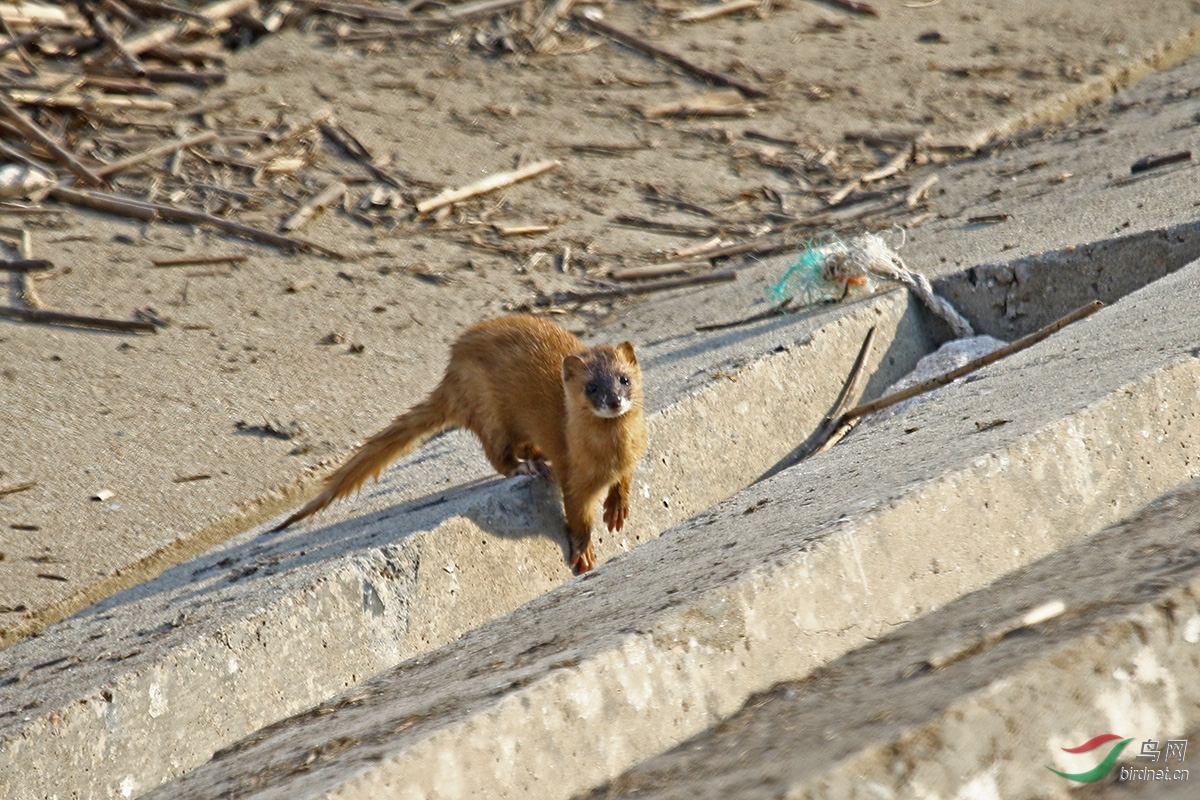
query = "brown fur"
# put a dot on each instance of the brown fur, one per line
(518, 384)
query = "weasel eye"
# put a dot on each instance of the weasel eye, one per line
(624, 380)
(591, 388)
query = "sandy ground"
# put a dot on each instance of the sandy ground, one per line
(279, 362)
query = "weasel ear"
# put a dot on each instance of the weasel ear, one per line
(626, 351)
(572, 366)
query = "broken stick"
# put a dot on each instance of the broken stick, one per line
(140, 209)
(938, 381)
(76, 320)
(155, 152)
(29, 128)
(330, 194)
(662, 54)
(625, 291)
(489, 184)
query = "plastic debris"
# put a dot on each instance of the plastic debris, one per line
(829, 267)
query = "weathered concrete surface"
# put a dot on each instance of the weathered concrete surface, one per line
(970, 700)
(579, 684)
(150, 682)
(1051, 219)
(242, 349)
(158, 669)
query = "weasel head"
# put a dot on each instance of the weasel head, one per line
(605, 380)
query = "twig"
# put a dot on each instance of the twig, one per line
(715, 103)
(661, 54)
(20, 487)
(918, 192)
(889, 169)
(191, 261)
(546, 22)
(657, 270)
(213, 14)
(330, 194)
(30, 129)
(719, 276)
(355, 11)
(100, 27)
(92, 101)
(832, 427)
(633, 221)
(18, 43)
(337, 132)
(482, 8)
(155, 152)
(712, 12)
(489, 184)
(76, 320)
(140, 209)
(27, 265)
(1154, 162)
(1023, 343)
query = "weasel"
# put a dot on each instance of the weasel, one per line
(541, 403)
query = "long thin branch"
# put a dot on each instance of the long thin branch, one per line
(76, 320)
(29, 128)
(938, 381)
(719, 276)
(661, 54)
(491, 183)
(155, 152)
(140, 209)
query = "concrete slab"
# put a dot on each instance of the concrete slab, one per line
(579, 684)
(276, 623)
(242, 349)
(973, 700)
(211, 650)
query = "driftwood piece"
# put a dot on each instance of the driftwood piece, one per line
(330, 194)
(192, 261)
(155, 152)
(140, 209)
(97, 100)
(712, 12)
(491, 183)
(29, 128)
(550, 17)
(938, 381)
(718, 103)
(663, 270)
(213, 14)
(662, 54)
(720, 276)
(76, 320)
(27, 265)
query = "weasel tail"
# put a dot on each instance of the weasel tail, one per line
(397, 440)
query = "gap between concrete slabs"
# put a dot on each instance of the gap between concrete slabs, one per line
(576, 686)
(970, 701)
(150, 682)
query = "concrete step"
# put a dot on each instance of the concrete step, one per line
(148, 683)
(577, 686)
(978, 698)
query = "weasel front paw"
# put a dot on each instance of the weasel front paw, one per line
(616, 509)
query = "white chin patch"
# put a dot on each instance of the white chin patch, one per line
(610, 413)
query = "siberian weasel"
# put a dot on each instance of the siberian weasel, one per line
(540, 402)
